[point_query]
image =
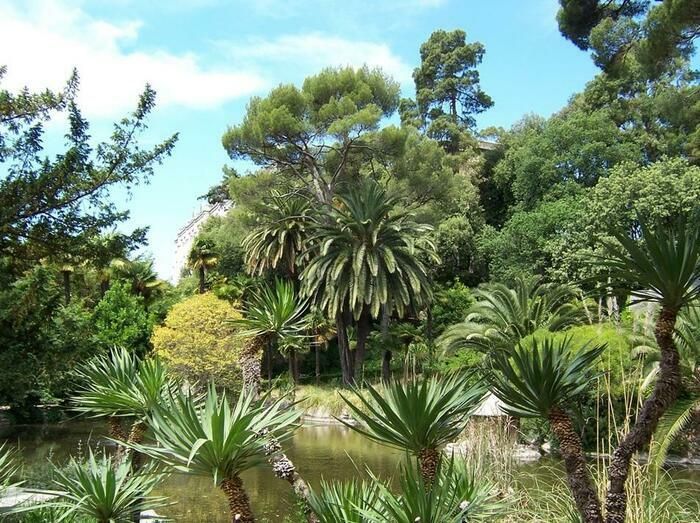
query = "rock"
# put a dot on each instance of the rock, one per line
(150, 516)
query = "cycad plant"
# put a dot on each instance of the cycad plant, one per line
(202, 258)
(540, 379)
(663, 268)
(367, 254)
(273, 313)
(502, 316)
(418, 417)
(105, 491)
(215, 438)
(456, 495)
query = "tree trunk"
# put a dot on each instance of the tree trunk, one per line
(136, 435)
(66, 286)
(664, 394)
(238, 502)
(269, 350)
(363, 326)
(386, 366)
(202, 280)
(250, 364)
(293, 366)
(386, 357)
(344, 351)
(578, 476)
(428, 460)
(116, 431)
(317, 370)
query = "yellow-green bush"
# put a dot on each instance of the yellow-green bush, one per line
(197, 341)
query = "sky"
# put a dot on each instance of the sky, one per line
(206, 58)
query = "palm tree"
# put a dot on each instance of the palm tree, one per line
(539, 381)
(202, 258)
(106, 491)
(66, 271)
(141, 275)
(368, 255)
(502, 316)
(418, 417)
(281, 241)
(271, 314)
(214, 438)
(663, 268)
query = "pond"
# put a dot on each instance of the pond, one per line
(332, 452)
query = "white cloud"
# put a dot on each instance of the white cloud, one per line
(313, 51)
(43, 41)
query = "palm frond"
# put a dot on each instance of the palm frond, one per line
(672, 423)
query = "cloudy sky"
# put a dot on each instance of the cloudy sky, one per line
(205, 58)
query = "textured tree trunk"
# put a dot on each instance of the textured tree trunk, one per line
(250, 364)
(428, 461)
(386, 366)
(293, 366)
(662, 397)
(344, 351)
(238, 502)
(386, 357)
(578, 476)
(363, 326)
(116, 431)
(202, 280)
(317, 370)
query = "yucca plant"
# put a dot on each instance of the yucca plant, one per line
(106, 491)
(351, 501)
(455, 496)
(272, 313)
(418, 417)
(218, 439)
(120, 385)
(502, 316)
(664, 268)
(540, 379)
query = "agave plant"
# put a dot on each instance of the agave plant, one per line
(502, 316)
(214, 438)
(664, 268)
(121, 385)
(419, 417)
(351, 501)
(455, 496)
(539, 380)
(106, 491)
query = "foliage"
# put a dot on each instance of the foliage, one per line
(197, 340)
(201, 258)
(417, 415)
(450, 305)
(534, 378)
(141, 275)
(120, 320)
(344, 502)
(106, 491)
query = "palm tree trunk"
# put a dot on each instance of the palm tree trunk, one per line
(344, 351)
(293, 366)
(363, 326)
(116, 432)
(238, 502)
(664, 394)
(428, 461)
(578, 476)
(202, 280)
(386, 357)
(317, 370)
(250, 364)
(269, 349)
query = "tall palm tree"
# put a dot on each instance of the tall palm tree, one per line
(273, 313)
(502, 316)
(369, 254)
(280, 242)
(418, 417)
(540, 381)
(214, 438)
(141, 275)
(202, 258)
(663, 268)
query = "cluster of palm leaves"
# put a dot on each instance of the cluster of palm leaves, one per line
(201, 258)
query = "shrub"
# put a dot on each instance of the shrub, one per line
(121, 320)
(198, 342)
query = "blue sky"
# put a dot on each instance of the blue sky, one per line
(206, 58)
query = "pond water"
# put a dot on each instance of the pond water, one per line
(331, 452)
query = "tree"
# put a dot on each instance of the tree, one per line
(202, 258)
(53, 206)
(198, 342)
(307, 136)
(370, 255)
(623, 31)
(120, 320)
(418, 417)
(663, 268)
(273, 314)
(448, 93)
(219, 440)
(141, 275)
(540, 381)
